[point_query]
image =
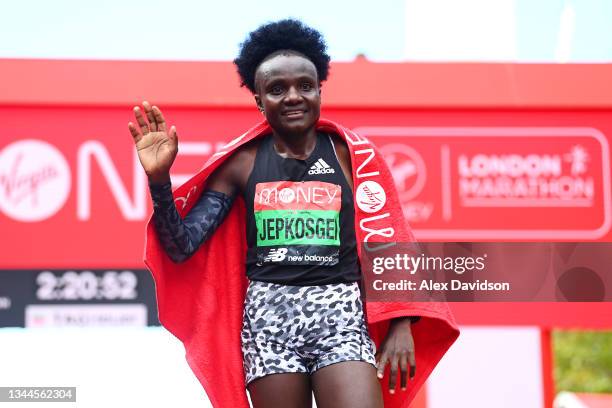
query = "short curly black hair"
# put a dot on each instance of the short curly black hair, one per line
(288, 34)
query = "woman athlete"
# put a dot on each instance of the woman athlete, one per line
(304, 329)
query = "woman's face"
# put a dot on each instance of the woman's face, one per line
(288, 91)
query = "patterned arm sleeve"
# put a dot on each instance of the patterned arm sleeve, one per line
(182, 237)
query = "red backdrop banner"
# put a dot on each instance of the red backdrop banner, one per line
(516, 159)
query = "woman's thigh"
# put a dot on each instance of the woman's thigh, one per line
(349, 384)
(286, 390)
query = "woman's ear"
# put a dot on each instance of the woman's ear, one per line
(258, 103)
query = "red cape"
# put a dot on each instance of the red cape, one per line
(200, 301)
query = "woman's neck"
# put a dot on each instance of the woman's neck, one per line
(295, 146)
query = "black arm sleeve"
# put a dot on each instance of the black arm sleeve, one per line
(182, 237)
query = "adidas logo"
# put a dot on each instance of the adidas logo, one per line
(320, 167)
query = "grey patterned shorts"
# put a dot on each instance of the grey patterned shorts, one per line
(300, 329)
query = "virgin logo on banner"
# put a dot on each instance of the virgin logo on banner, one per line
(370, 196)
(500, 183)
(34, 180)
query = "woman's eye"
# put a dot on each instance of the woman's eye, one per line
(277, 89)
(306, 86)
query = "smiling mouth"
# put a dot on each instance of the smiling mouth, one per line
(294, 114)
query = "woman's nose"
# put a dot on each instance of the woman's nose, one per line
(293, 95)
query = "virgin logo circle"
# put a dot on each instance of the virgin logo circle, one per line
(286, 195)
(34, 180)
(370, 196)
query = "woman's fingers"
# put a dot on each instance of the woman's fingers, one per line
(173, 135)
(380, 366)
(412, 362)
(403, 370)
(393, 373)
(144, 127)
(156, 121)
(135, 134)
(159, 119)
(405, 361)
(150, 116)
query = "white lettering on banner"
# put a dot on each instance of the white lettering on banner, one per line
(20, 186)
(370, 195)
(131, 210)
(354, 139)
(581, 190)
(191, 149)
(34, 180)
(564, 188)
(370, 153)
(417, 211)
(514, 180)
(386, 232)
(512, 165)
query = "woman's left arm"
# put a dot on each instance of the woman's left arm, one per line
(398, 346)
(398, 350)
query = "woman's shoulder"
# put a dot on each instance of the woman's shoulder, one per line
(341, 147)
(236, 169)
(246, 152)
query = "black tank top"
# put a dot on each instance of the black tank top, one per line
(300, 218)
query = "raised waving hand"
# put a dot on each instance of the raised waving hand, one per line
(156, 146)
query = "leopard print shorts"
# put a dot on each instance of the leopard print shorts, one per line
(300, 329)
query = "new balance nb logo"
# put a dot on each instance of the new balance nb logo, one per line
(320, 167)
(276, 255)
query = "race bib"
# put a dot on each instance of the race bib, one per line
(298, 223)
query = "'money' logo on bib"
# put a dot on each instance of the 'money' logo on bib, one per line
(297, 213)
